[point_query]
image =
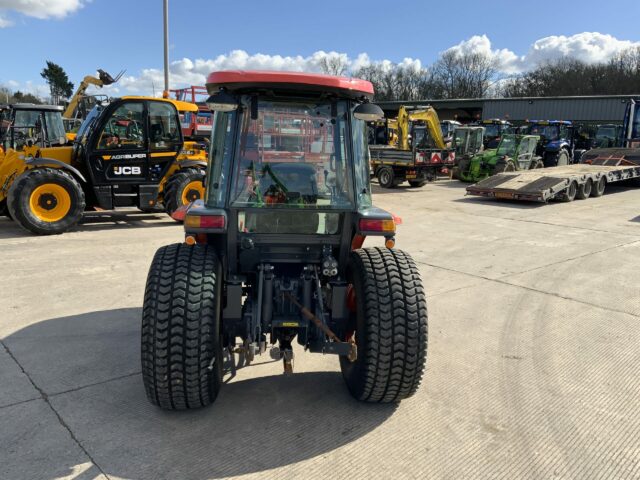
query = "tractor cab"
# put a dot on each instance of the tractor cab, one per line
(556, 145)
(273, 255)
(520, 149)
(27, 126)
(494, 128)
(468, 141)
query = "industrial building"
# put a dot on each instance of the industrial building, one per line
(586, 109)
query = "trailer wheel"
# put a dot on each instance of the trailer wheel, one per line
(390, 326)
(46, 201)
(386, 178)
(570, 193)
(584, 190)
(183, 187)
(598, 188)
(181, 342)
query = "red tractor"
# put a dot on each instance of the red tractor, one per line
(274, 253)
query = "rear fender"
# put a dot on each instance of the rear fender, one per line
(191, 163)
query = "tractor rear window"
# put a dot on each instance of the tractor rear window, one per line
(293, 155)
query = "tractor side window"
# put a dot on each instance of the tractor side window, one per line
(361, 162)
(55, 128)
(476, 143)
(164, 128)
(125, 128)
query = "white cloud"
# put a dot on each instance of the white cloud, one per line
(590, 47)
(587, 46)
(41, 9)
(507, 60)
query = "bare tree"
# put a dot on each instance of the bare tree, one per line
(334, 65)
(396, 82)
(463, 75)
(618, 76)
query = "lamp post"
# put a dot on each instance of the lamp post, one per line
(166, 48)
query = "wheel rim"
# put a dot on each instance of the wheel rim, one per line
(50, 202)
(384, 177)
(192, 191)
(587, 189)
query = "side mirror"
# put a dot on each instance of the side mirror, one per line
(222, 102)
(369, 112)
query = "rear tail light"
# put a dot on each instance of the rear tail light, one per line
(218, 222)
(377, 225)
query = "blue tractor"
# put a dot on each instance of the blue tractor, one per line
(557, 144)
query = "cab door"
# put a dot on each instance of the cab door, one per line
(120, 145)
(165, 138)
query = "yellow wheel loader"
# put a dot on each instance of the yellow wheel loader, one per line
(126, 153)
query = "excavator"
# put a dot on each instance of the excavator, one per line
(420, 153)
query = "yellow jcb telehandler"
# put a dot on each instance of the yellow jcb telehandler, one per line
(128, 152)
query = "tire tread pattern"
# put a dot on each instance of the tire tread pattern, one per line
(175, 184)
(395, 311)
(180, 328)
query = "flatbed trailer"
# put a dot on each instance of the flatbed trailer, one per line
(418, 166)
(558, 183)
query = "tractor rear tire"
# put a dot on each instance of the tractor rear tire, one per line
(504, 166)
(182, 188)
(386, 177)
(46, 201)
(584, 190)
(390, 325)
(599, 187)
(461, 169)
(182, 355)
(536, 164)
(563, 158)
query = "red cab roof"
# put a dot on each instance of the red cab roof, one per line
(235, 79)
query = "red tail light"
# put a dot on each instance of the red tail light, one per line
(376, 225)
(205, 221)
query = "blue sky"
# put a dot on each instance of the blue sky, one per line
(83, 35)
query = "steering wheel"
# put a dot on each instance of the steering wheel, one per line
(112, 140)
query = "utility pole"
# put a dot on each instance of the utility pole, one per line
(166, 49)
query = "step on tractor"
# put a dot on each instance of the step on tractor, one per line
(127, 153)
(274, 254)
(514, 152)
(556, 145)
(467, 142)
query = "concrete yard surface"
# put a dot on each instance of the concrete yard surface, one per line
(534, 347)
